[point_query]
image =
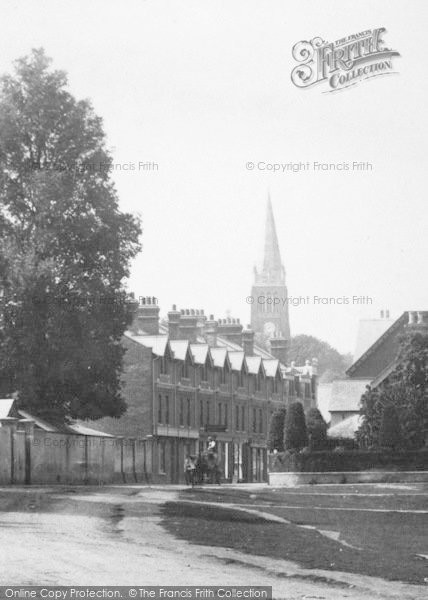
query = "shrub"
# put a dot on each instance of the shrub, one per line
(317, 429)
(276, 431)
(390, 432)
(295, 433)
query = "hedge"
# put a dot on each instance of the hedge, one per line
(349, 460)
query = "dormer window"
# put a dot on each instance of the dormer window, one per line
(163, 367)
(185, 369)
(241, 378)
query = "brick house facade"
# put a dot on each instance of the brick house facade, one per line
(184, 382)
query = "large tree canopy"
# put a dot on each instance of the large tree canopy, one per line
(406, 389)
(331, 364)
(65, 249)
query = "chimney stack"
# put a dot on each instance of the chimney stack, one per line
(231, 329)
(210, 331)
(418, 320)
(248, 341)
(147, 315)
(174, 316)
(279, 348)
(189, 325)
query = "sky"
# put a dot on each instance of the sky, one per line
(203, 88)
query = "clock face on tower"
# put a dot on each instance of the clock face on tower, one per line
(269, 328)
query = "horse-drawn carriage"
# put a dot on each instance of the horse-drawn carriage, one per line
(205, 467)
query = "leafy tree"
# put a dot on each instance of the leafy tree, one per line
(331, 364)
(276, 430)
(65, 249)
(407, 390)
(317, 429)
(390, 433)
(295, 433)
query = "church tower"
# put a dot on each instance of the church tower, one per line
(269, 311)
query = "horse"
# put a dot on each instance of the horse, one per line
(207, 468)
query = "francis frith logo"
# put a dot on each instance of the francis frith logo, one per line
(342, 63)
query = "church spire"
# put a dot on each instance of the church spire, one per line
(269, 308)
(272, 271)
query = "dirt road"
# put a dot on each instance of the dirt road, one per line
(114, 536)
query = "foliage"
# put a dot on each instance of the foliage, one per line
(406, 389)
(64, 252)
(295, 433)
(331, 364)
(343, 460)
(390, 433)
(276, 430)
(317, 429)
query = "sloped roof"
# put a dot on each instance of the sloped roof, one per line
(384, 374)
(199, 353)
(219, 356)
(157, 343)
(346, 428)
(5, 407)
(323, 399)
(369, 330)
(253, 364)
(81, 428)
(236, 359)
(179, 347)
(41, 423)
(270, 366)
(224, 350)
(224, 343)
(346, 394)
(378, 342)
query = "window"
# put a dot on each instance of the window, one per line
(208, 412)
(163, 368)
(204, 373)
(260, 420)
(185, 369)
(241, 378)
(275, 385)
(226, 418)
(237, 418)
(201, 413)
(162, 457)
(307, 390)
(159, 408)
(291, 388)
(167, 410)
(222, 374)
(220, 415)
(189, 413)
(181, 411)
(242, 418)
(258, 382)
(254, 420)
